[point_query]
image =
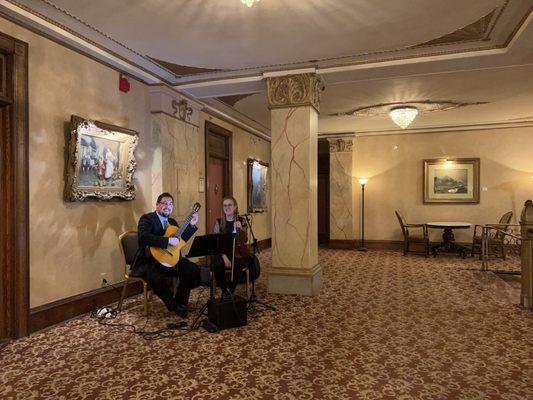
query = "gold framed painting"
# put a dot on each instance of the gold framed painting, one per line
(451, 180)
(257, 186)
(101, 161)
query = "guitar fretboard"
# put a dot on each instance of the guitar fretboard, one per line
(184, 225)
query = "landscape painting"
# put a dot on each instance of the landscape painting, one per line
(451, 180)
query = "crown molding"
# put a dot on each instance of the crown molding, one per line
(432, 129)
(220, 110)
(112, 52)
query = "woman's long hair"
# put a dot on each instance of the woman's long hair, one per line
(223, 216)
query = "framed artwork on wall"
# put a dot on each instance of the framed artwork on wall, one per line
(101, 161)
(257, 186)
(451, 180)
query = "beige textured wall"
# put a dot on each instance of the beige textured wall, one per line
(73, 243)
(182, 160)
(244, 146)
(394, 165)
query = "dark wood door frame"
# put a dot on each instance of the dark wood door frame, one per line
(14, 189)
(323, 172)
(213, 129)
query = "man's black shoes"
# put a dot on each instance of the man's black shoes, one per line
(180, 310)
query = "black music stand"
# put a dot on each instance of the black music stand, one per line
(211, 245)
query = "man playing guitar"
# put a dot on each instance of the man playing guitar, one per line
(151, 230)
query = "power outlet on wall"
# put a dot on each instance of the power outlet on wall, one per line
(103, 277)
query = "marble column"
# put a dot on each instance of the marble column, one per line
(294, 101)
(341, 200)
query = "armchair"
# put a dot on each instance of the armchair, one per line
(420, 237)
(496, 242)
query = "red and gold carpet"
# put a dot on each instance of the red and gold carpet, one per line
(383, 327)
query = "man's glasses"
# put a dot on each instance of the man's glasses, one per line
(166, 204)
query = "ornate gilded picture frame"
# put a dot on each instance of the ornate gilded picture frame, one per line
(101, 161)
(257, 186)
(451, 180)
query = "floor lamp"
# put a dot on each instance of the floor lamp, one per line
(363, 182)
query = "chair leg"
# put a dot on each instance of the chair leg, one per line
(405, 248)
(145, 290)
(247, 283)
(503, 252)
(123, 295)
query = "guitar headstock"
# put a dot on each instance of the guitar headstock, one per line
(196, 207)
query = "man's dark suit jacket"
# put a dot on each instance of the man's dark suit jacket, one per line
(150, 232)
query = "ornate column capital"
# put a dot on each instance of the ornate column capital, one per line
(338, 145)
(294, 91)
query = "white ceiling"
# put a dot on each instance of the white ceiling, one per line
(368, 52)
(224, 34)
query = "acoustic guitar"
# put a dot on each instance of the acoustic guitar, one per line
(170, 256)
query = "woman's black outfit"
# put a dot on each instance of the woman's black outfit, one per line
(224, 280)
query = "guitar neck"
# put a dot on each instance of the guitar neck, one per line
(184, 225)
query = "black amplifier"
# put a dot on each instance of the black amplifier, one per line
(227, 312)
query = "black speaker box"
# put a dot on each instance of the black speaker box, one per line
(227, 312)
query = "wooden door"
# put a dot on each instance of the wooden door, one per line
(14, 209)
(323, 191)
(218, 170)
(215, 191)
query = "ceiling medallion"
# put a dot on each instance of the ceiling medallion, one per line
(403, 116)
(405, 110)
(249, 3)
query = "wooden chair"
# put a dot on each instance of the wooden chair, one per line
(128, 243)
(420, 237)
(496, 241)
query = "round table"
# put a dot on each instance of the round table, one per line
(448, 244)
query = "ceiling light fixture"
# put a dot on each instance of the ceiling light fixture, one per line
(248, 3)
(403, 116)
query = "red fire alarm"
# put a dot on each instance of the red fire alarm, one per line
(123, 84)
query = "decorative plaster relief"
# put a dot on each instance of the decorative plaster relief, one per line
(340, 145)
(294, 91)
(423, 106)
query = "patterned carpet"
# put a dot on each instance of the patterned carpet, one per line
(384, 327)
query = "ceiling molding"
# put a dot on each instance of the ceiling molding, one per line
(216, 112)
(180, 70)
(478, 30)
(423, 106)
(434, 129)
(167, 75)
(46, 26)
(355, 61)
(231, 100)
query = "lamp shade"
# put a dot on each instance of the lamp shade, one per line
(363, 181)
(248, 3)
(403, 116)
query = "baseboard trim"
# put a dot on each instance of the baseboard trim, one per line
(382, 244)
(342, 244)
(61, 310)
(369, 244)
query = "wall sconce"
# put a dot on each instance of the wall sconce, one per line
(182, 109)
